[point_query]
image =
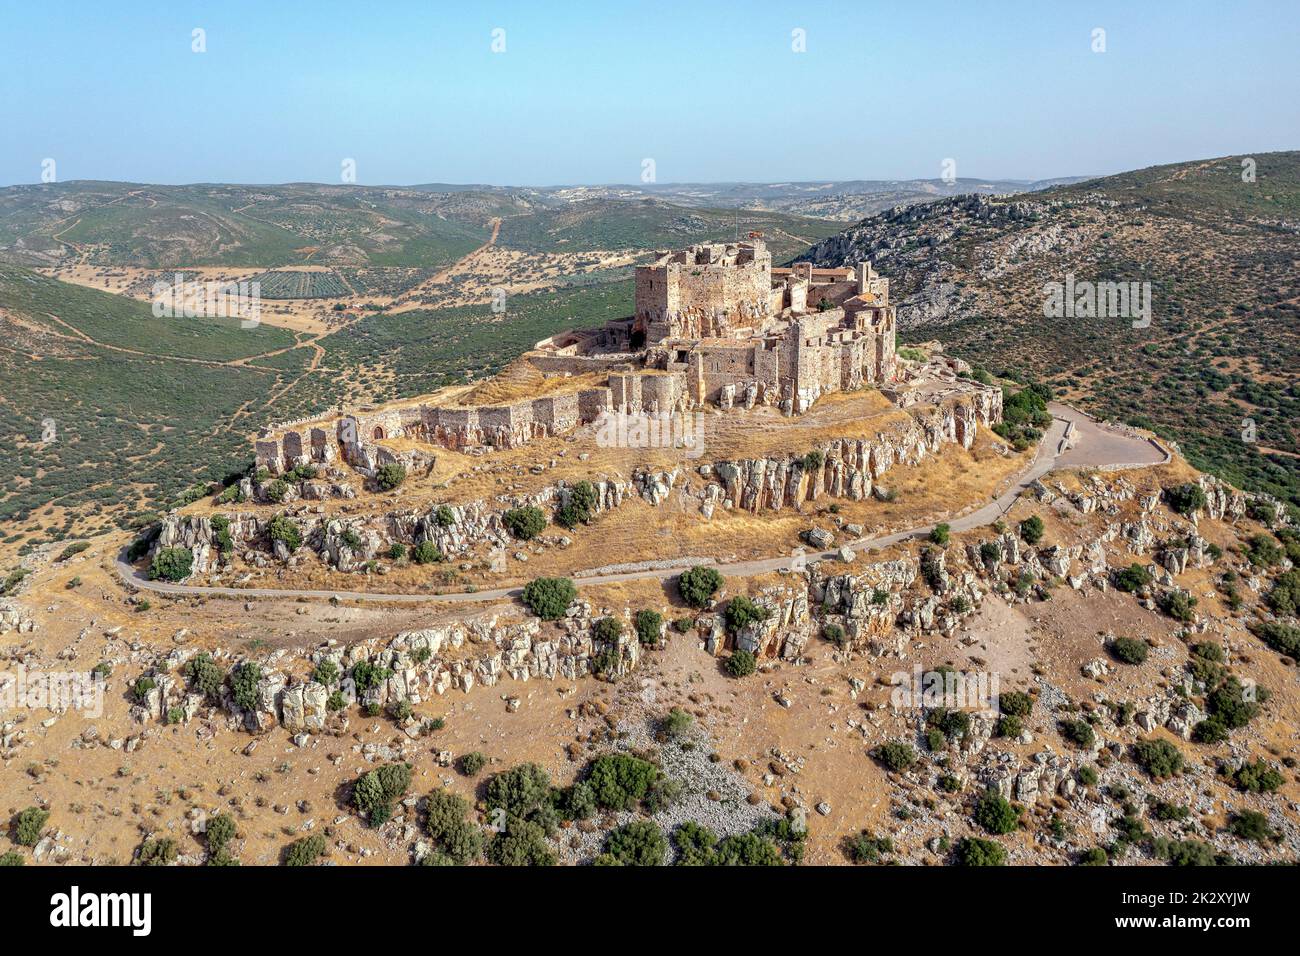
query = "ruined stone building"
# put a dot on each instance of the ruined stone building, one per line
(714, 325)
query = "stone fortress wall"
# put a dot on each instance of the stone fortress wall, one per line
(714, 325)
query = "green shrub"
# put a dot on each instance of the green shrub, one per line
(580, 507)
(995, 814)
(1263, 551)
(445, 822)
(396, 551)
(1031, 529)
(1230, 703)
(1094, 857)
(220, 831)
(549, 598)
(698, 585)
(1078, 731)
(426, 552)
(677, 723)
(73, 549)
(1016, 703)
(1283, 638)
(741, 663)
(377, 790)
(1164, 810)
(172, 564)
(524, 523)
(157, 852)
(895, 755)
(1186, 852)
(1133, 578)
(444, 516)
(972, 851)
(1088, 775)
(28, 825)
(366, 675)
(204, 675)
(834, 633)
(1284, 597)
(520, 843)
(243, 684)
(1252, 825)
(326, 672)
(1256, 777)
(1009, 726)
(1159, 758)
(306, 851)
(695, 844)
(389, 476)
(939, 534)
(1186, 499)
(746, 849)
(12, 858)
(1129, 650)
(276, 491)
(1210, 731)
(284, 530)
(471, 763)
(648, 626)
(741, 612)
(639, 843)
(143, 684)
(607, 630)
(519, 791)
(1179, 605)
(578, 802)
(620, 781)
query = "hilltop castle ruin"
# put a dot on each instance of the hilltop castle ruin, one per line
(715, 325)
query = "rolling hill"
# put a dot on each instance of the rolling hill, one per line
(1215, 370)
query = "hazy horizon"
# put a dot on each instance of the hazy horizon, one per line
(518, 95)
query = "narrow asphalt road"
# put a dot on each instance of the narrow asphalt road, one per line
(1124, 450)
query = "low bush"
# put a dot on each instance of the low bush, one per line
(1129, 650)
(995, 814)
(375, 791)
(639, 843)
(1159, 758)
(306, 851)
(741, 663)
(172, 564)
(698, 585)
(972, 851)
(390, 476)
(524, 523)
(895, 756)
(28, 825)
(549, 598)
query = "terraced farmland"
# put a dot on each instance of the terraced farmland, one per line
(302, 285)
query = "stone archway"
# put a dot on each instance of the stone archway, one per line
(379, 433)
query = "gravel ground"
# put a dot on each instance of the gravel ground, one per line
(686, 761)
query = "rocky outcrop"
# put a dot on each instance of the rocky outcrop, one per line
(413, 666)
(843, 468)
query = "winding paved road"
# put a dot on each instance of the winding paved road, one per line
(1073, 441)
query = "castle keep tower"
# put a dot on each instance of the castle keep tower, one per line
(712, 289)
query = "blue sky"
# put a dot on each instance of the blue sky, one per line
(584, 92)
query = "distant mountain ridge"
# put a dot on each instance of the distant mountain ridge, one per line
(1219, 250)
